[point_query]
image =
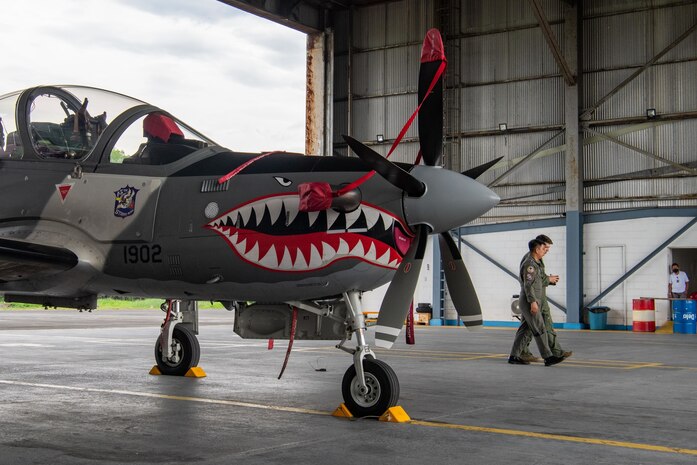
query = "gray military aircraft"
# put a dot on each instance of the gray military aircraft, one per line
(133, 202)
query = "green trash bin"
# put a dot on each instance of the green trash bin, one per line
(597, 317)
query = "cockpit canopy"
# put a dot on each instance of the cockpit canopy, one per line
(82, 123)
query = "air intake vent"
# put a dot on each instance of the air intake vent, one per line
(211, 185)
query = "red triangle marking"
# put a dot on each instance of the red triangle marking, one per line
(63, 190)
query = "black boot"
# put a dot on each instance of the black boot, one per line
(553, 360)
(517, 361)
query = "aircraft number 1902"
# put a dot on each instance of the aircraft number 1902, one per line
(145, 253)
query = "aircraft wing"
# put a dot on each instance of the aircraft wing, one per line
(21, 260)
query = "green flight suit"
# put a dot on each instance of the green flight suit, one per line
(552, 340)
(532, 290)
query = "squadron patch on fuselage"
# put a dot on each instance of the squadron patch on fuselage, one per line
(125, 201)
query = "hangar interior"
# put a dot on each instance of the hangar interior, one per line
(591, 104)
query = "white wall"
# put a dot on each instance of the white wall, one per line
(639, 237)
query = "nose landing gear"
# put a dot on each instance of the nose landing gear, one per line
(177, 349)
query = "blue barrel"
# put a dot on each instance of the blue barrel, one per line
(678, 324)
(689, 316)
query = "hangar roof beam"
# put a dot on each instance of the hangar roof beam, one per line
(621, 85)
(298, 15)
(552, 42)
(641, 151)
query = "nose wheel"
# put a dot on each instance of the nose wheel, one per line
(381, 389)
(186, 352)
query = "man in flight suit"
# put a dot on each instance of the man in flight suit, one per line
(552, 340)
(532, 297)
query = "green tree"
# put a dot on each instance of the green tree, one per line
(117, 156)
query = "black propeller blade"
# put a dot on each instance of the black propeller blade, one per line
(400, 293)
(431, 113)
(388, 170)
(477, 171)
(459, 283)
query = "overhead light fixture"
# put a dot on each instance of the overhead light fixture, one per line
(651, 113)
(381, 138)
(503, 127)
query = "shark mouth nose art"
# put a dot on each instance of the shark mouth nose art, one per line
(272, 233)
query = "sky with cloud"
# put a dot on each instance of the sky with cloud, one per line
(235, 77)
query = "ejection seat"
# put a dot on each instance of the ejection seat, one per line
(166, 142)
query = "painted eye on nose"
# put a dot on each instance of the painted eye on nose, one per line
(285, 182)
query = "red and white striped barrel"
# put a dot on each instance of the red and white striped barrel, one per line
(643, 315)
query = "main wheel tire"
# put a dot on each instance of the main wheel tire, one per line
(188, 352)
(382, 384)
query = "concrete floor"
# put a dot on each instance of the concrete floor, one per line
(80, 393)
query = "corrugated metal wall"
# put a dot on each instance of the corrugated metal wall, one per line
(501, 70)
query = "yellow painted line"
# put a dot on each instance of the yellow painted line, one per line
(558, 437)
(431, 424)
(467, 356)
(644, 365)
(151, 395)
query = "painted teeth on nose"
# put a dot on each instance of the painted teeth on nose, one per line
(245, 213)
(270, 260)
(332, 216)
(371, 217)
(259, 210)
(352, 217)
(291, 205)
(312, 216)
(328, 252)
(387, 220)
(286, 261)
(275, 206)
(315, 257)
(253, 254)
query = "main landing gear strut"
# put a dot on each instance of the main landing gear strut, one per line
(369, 386)
(177, 348)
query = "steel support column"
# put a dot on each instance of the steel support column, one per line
(437, 282)
(315, 100)
(574, 167)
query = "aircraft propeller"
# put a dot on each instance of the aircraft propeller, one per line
(400, 292)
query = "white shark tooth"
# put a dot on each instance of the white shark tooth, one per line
(387, 220)
(286, 261)
(315, 257)
(328, 252)
(234, 238)
(385, 258)
(241, 246)
(291, 204)
(259, 211)
(372, 252)
(300, 263)
(358, 250)
(352, 217)
(343, 248)
(332, 216)
(393, 264)
(245, 212)
(275, 206)
(270, 260)
(253, 254)
(371, 216)
(312, 216)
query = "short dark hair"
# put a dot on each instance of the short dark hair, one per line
(544, 239)
(535, 243)
(675, 264)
